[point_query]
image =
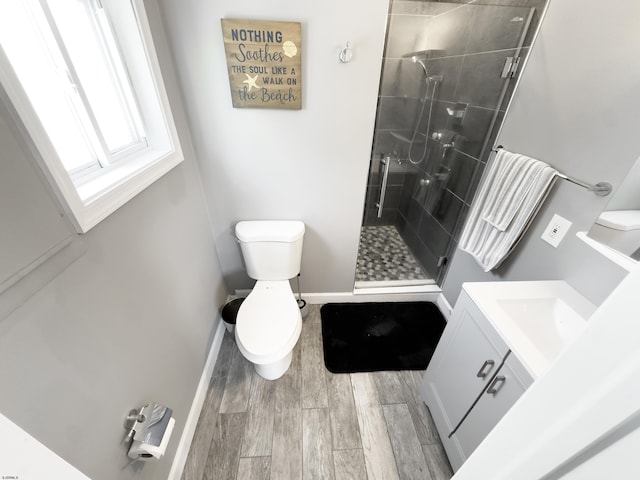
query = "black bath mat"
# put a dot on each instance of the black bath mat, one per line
(368, 337)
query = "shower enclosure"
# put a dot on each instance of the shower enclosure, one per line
(448, 74)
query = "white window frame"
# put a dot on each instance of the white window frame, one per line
(94, 198)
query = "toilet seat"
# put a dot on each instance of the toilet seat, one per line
(624, 220)
(618, 229)
(268, 323)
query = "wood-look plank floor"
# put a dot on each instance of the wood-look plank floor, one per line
(311, 423)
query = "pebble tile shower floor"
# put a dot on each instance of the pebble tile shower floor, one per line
(383, 256)
(313, 424)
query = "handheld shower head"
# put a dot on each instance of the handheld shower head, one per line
(421, 63)
(420, 57)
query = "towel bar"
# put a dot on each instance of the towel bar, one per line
(602, 189)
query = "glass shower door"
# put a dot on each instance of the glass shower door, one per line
(448, 74)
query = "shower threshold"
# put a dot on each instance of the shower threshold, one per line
(399, 293)
(392, 283)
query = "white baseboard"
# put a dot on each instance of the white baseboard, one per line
(444, 306)
(182, 452)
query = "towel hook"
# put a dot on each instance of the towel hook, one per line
(346, 54)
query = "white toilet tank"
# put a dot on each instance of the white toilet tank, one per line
(272, 249)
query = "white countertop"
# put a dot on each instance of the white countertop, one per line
(538, 320)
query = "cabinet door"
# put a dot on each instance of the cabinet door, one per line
(466, 358)
(504, 390)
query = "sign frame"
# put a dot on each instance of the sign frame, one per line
(264, 63)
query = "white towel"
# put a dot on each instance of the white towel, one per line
(514, 177)
(511, 193)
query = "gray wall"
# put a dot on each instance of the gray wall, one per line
(130, 321)
(309, 164)
(575, 108)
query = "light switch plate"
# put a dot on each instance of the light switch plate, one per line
(556, 230)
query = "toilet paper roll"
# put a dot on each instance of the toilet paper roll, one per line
(146, 451)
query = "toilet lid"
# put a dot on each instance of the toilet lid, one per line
(620, 219)
(268, 318)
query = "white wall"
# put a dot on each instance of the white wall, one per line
(310, 164)
(576, 107)
(129, 322)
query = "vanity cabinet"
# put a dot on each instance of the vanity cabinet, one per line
(471, 382)
(506, 387)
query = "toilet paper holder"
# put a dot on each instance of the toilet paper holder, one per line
(148, 431)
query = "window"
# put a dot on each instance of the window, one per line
(83, 77)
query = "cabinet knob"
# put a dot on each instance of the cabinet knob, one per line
(496, 385)
(485, 368)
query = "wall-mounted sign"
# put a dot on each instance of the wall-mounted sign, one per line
(263, 62)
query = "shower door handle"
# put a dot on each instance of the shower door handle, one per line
(383, 189)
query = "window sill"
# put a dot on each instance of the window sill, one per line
(101, 196)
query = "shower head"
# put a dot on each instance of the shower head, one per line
(418, 60)
(420, 57)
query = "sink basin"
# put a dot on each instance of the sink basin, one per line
(548, 322)
(537, 320)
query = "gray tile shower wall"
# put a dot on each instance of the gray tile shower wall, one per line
(469, 44)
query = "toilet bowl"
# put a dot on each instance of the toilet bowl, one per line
(268, 326)
(619, 229)
(269, 322)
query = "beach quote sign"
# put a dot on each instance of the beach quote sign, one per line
(263, 63)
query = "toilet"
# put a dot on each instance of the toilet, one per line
(268, 323)
(619, 229)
